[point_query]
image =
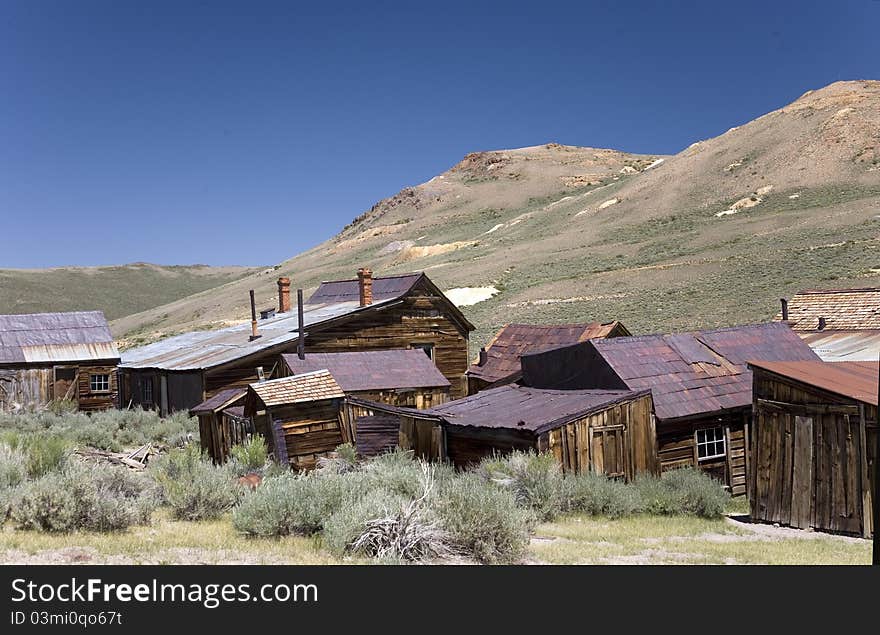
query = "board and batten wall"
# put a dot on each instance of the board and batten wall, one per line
(812, 457)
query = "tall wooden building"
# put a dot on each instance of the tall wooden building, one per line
(366, 313)
(701, 385)
(814, 445)
(54, 356)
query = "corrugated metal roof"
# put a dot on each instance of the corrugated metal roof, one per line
(384, 288)
(700, 372)
(523, 408)
(55, 337)
(856, 380)
(373, 370)
(515, 340)
(220, 401)
(312, 386)
(844, 346)
(843, 309)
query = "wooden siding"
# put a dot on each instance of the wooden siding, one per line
(218, 432)
(32, 388)
(812, 454)
(308, 430)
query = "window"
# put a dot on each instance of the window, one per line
(147, 390)
(427, 348)
(710, 443)
(99, 383)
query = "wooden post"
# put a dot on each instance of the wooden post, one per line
(301, 341)
(875, 494)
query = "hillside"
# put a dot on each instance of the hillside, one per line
(711, 236)
(118, 290)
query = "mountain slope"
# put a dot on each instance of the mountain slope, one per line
(118, 291)
(711, 236)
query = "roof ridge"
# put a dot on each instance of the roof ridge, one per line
(397, 275)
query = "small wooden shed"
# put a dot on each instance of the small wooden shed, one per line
(609, 432)
(299, 416)
(222, 423)
(813, 444)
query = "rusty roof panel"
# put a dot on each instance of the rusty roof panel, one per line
(703, 371)
(384, 288)
(515, 340)
(856, 380)
(313, 386)
(843, 309)
(522, 408)
(373, 370)
(55, 337)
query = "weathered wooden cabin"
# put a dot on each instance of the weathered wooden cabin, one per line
(608, 432)
(838, 324)
(814, 445)
(700, 382)
(392, 312)
(47, 357)
(222, 423)
(498, 362)
(299, 416)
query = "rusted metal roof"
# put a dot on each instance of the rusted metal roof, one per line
(220, 401)
(844, 346)
(513, 341)
(384, 288)
(856, 380)
(373, 370)
(521, 408)
(843, 309)
(312, 386)
(689, 374)
(55, 337)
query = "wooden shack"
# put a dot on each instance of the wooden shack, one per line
(700, 382)
(46, 357)
(814, 445)
(498, 363)
(608, 432)
(366, 313)
(222, 423)
(299, 416)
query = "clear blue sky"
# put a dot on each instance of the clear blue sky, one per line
(243, 133)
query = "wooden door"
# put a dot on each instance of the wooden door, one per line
(64, 386)
(608, 451)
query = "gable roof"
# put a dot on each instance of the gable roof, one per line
(856, 380)
(313, 386)
(372, 370)
(220, 401)
(199, 350)
(513, 341)
(524, 408)
(843, 309)
(56, 337)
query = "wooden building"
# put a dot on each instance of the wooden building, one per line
(700, 382)
(222, 423)
(498, 362)
(47, 357)
(393, 312)
(299, 416)
(814, 445)
(608, 432)
(838, 324)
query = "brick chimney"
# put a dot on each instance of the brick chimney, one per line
(365, 286)
(283, 295)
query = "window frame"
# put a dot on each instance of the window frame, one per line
(106, 382)
(145, 385)
(425, 347)
(719, 436)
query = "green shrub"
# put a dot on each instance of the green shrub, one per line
(13, 467)
(193, 487)
(534, 479)
(96, 498)
(398, 473)
(45, 453)
(348, 523)
(685, 491)
(250, 456)
(597, 495)
(483, 520)
(344, 460)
